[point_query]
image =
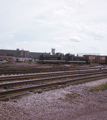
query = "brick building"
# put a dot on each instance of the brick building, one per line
(21, 53)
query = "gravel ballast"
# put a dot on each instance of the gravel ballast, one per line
(70, 103)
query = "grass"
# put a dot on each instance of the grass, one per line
(99, 87)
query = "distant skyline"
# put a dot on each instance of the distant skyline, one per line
(69, 26)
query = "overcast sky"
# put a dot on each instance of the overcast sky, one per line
(69, 26)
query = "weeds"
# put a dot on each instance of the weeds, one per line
(100, 87)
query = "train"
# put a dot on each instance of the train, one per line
(72, 59)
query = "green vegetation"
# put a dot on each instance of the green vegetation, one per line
(100, 87)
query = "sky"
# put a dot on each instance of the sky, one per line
(69, 26)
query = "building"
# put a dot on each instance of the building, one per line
(8, 58)
(21, 53)
(15, 53)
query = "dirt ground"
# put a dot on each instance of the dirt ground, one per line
(70, 103)
(37, 65)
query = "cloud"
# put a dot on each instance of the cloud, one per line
(11, 35)
(74, 39)
(97, 36)
(64, 11)
(63, 24)
(22, 43)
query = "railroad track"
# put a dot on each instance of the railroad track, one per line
(42, 75)
(23, 70)
(18, 87)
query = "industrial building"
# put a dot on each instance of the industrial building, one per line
(21, 53)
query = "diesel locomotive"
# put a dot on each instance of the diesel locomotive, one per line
(71, 58)
(61, 58)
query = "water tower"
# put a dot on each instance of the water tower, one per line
(53, 51)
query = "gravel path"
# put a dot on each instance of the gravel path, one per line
(70, 103)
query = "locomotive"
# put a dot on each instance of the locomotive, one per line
(57, 58)
(71, 58)
(61, 58)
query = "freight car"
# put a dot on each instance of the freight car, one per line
(95, 59)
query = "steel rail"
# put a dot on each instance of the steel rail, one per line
(24, 76)
(45, 79)
(18, 70)
(73, 81)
